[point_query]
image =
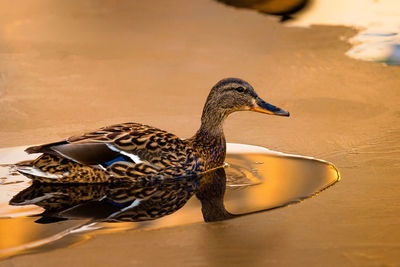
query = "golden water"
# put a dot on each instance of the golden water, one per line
(255, 179)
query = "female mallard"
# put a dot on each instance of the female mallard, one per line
(133, 152)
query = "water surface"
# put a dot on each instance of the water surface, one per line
(34, 217)
(377, 21)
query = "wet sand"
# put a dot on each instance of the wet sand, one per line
(67, 68)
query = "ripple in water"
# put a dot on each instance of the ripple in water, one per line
(35, 217)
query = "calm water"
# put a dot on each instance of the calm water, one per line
(378, 21)
(255, 179)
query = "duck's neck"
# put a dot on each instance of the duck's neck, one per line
(209, 140)
(212, 119)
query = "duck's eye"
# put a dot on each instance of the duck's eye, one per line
(240, 89)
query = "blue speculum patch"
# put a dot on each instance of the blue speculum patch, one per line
(119, 158)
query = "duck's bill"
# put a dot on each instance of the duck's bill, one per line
(264, 107)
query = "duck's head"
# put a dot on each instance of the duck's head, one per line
(233, 94)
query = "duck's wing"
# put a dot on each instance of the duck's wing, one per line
(130, 142)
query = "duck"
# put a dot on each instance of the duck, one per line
(139, 153)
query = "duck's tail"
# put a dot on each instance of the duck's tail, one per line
(51, 169)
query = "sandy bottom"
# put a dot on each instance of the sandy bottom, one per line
(67, 68)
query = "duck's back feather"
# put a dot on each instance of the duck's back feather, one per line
(124, 149)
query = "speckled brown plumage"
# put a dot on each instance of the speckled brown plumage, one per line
(134, 152)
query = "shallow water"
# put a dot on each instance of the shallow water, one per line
(379, 36)
(378, 22)
(255, 179)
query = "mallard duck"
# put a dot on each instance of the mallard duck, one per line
(134, 152)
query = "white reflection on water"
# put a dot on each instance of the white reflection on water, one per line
(377, 20)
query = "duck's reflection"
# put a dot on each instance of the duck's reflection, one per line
(125, 202)
(211, 194)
